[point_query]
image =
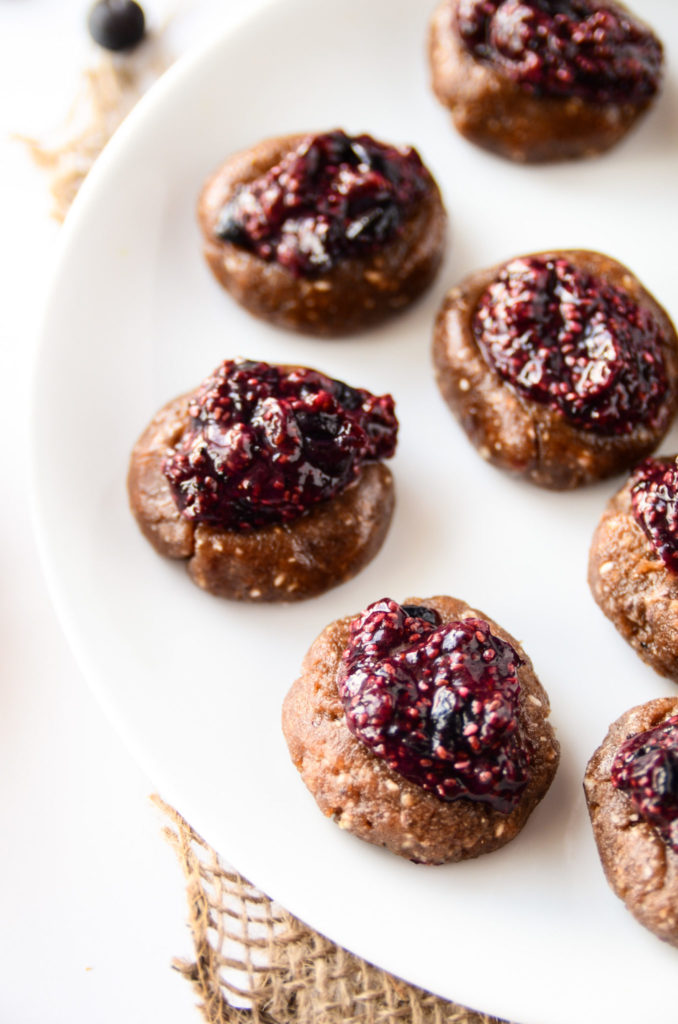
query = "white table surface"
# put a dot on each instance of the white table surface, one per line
(92, 899)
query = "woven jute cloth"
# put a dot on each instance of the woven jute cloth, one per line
(254, 963)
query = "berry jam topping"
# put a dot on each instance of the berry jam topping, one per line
(265, 443)
(573, 342)
(595, 51)
(654, 499)
(439, 703)
(116, 24)
(332, 197)
(646, 769)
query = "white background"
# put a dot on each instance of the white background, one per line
(92, 899)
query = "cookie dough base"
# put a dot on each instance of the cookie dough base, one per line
(356, 293)
(639, 866)
(286, 562)
(633, 587)
(365, 797)
(529, 438)
(499, 115)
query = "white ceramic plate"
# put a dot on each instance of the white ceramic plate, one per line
(195, 684)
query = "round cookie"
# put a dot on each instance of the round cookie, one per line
(561, 392)
(281, 561)
(640, 866)
(359, 789)
(326, 273)
(633, 571)
(520, 84)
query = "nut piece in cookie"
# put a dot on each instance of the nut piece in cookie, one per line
(268, 480)
(422, 727)
(633, 563)
(536, 80)
(324, 234)
(631, 787)
(559, 365)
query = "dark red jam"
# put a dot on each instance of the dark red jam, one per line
(595, 51)
(266, 443)
(654, 499)
(439, 703)
(569, 340)
(646, 769)
(333, 197)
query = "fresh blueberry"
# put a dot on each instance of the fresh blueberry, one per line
(116, 24)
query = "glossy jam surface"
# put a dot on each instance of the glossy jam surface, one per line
(439, 703)
(594, 51)
(569, 340)
(266, 443)
(646, 769)
(332, 197)
(654, 499)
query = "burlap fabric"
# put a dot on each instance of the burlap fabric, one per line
(254, 963)
(109, 88)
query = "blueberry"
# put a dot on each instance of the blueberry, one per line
(420, 611)
(348, 397)
(116, 24)
(228, 228)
